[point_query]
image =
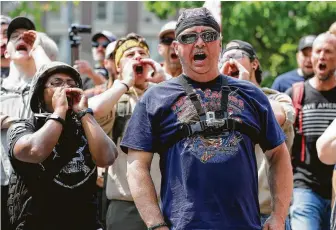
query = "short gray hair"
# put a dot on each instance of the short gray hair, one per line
(49, 46)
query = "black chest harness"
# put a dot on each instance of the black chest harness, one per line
(212, 123)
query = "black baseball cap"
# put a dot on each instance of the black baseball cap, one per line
(20, 23)
(242, 45)
(306, 42)
(107, 34)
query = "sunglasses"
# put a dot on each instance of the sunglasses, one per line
(207, 36)
(103, 44)
(167, 41)
(236, 56)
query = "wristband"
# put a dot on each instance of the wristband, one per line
(127, 87)
(157, 226)
(56, 118)
(82, 113)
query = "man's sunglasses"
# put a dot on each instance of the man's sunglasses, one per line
(167, 41)
(237, 55)
(103, 44)
(189, 38)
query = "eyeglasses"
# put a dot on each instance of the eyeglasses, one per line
(59, 83)
(189, 38)
(167, 41)
(236, 55)
(103, 44)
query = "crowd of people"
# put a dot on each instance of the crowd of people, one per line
(193, 142)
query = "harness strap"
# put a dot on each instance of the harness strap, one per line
(187, 130)
(192, 96)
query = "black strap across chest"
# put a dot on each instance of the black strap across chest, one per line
(202, 126)
(225, 90)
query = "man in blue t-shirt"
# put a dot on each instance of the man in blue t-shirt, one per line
(204, 126)
(305, 70)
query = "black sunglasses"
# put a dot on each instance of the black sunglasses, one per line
(167, 41)
(189, 38)
(103, 44)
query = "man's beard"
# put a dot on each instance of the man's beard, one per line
(327, 76)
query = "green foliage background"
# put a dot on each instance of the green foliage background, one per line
(273, 28)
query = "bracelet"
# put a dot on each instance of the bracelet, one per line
(82, 113)
(157, 226)
(127, 87)
(56, 118)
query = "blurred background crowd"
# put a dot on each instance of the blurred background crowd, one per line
(273, 28)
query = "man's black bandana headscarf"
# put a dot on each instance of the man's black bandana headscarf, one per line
(196, 17)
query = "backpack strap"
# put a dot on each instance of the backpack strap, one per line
(297, 95)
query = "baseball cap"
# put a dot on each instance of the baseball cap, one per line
(167, 28)
(306, 41)
(43, 74)
(242, 45)
(107, 34)
(110, 49)
(20, 23)
(5, 20)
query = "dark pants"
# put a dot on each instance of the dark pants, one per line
(4, 210)
(123, 215)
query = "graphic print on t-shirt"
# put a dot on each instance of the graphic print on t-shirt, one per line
(210, 149)
(77, 171)
(317, 117)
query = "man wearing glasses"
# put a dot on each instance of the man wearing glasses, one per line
(55, 154)
(240, 61)
(205, 125)
(97, 75)
(171, 64)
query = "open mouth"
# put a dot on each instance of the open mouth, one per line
(199, 56)
(139, 69)
(21, 47)
(322, 66)
(173, 56)
(235, 74)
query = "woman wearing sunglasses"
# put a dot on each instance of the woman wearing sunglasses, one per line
(209, 176)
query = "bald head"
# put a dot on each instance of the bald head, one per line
(332, 28)
(325, 37)
(49, 46)
(324, 56)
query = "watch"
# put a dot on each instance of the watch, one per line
(56, 118)
(82, 113)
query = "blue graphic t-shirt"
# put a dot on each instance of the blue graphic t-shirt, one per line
(207, 182)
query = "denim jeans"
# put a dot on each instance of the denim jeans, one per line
(309, 211)
(264, 217)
